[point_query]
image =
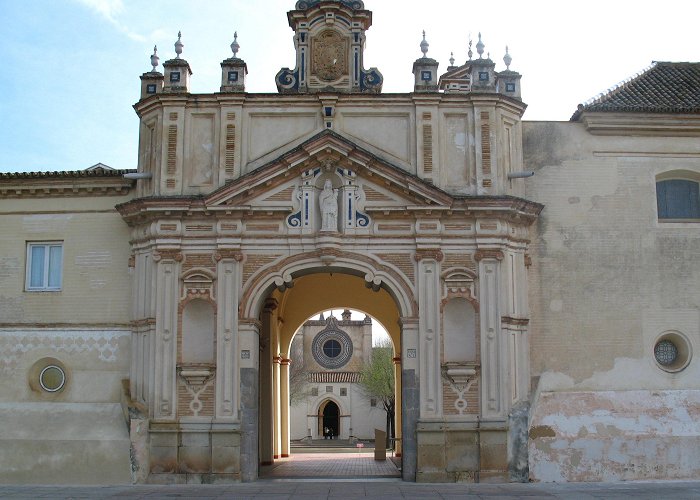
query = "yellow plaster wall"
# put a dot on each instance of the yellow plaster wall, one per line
(96, 284)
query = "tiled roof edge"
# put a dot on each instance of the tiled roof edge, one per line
(602, 96)
(66, 174)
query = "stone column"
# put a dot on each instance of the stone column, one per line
(266, 391)
(397, 406)
(277, 428)
(249, 347)
(167, 286)
(410, 395)
(284, 405)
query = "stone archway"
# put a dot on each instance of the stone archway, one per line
(287, 298)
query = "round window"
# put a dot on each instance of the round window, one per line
(672, 351)
(665, 352)
(52, 378)
(331, 348)
(48, 378)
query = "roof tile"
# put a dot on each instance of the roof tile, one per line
(665, 87)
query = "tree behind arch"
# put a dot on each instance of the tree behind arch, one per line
(377, 381)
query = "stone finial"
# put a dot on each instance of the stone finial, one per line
(154, 59)
(346, 315)
(452, 58)
(469, 52)
(235, 47)
(178, 45)
(424, 46)
(507, 59)
(480, 47)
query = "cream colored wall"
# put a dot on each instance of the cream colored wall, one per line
(77, 435)
(607, 277)
(229, 137)
(96, 279)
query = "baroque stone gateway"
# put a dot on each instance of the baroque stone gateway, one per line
(539, 281)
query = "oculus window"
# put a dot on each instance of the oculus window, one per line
(332, 348)
(678, 199)
(44, 266)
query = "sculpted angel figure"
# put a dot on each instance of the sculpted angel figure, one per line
(328, 201)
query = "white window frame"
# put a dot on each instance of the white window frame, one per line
(44, 287)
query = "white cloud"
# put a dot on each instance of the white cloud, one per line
(110, 10)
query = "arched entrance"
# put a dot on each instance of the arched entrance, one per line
(286, 302)
(329, 419)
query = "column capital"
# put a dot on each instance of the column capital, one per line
(170, 254)
(250, 324)
(228, 254)
(429, 253)
(270, 304)
(408, 321)
(488, 253)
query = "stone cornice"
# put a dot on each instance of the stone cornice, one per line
(51, 184)
(513, 209)
(646, 124)
(314, 100)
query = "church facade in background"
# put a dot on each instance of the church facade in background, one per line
(328, 356)
(538, 280)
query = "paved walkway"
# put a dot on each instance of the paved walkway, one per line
(330, 465)
(348, 490)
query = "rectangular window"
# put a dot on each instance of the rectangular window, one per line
(329, 388)
(44, 266)
(343, 391)
(678, 199)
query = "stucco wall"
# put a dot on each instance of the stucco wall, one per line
(77, 434)
(96, 280)
(607, 279)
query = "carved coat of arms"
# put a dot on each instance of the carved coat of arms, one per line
(329, 56)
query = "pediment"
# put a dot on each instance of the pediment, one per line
(376, 184)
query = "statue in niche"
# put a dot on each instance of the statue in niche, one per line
(328, 202)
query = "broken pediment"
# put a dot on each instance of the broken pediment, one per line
(359, 181)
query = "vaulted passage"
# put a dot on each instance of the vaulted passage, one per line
(314, 417)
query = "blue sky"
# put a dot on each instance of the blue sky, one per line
(71, 67)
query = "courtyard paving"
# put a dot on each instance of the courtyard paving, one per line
(332, 465)
(378, 489)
